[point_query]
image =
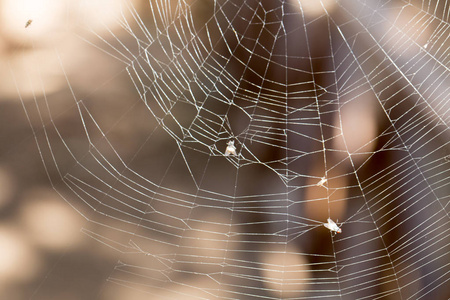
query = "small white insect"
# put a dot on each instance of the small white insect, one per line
(322, 182)
(332, 226)
(231, 148)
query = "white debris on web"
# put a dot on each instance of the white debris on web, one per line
(322, 182)
(231, 148)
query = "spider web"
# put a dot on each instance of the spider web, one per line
(337, 109)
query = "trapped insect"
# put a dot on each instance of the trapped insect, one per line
(332, 226)
(28, 23)
(231, 149)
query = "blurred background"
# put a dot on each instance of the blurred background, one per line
(115, 116)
